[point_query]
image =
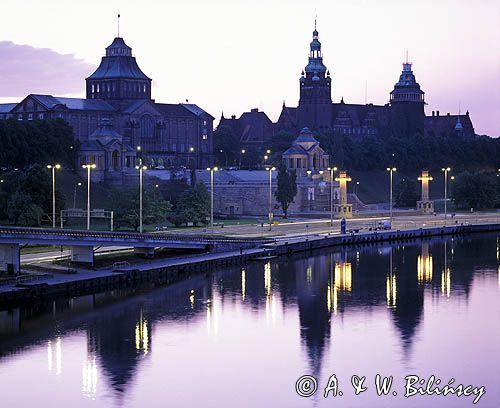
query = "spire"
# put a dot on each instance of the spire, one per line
(118, 23)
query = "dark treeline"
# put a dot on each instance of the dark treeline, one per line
(372, 153)
(26, 143)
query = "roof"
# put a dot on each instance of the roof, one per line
(446, 124)
(7, 107)
(118, 67)
(196, 110)
(173, 109)
(118, 63)
(85, 104)
(50, 102)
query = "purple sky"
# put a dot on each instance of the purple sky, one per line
(235, 55)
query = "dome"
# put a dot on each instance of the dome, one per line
(306, 139)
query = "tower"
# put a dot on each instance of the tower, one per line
(407, 104)
(315, 103)
(118, 77)
(343, 210)
(425, 206)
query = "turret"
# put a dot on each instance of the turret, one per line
(315, 104)
(118, 77)
(407, 105)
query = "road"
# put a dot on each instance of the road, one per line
(298, 228)
(304, 227)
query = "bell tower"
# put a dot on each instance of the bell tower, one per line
(407, 104)
(315, 103)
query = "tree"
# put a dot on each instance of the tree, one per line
(227, 146)
(287, 187)
(22, 211)
(193, 206)
(405, 193)
(126, 206)
(476, 190)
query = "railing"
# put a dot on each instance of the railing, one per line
(158, 237)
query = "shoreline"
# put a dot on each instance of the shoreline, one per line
(164, 272)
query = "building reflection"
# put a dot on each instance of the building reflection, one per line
(321, 286)
(424, 264)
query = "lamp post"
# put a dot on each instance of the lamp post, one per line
(391, 170)
(74, 193)
(242, 152)
(139, 158)
(88, 167)
(191, 151)
(54, 167)
(141, 170)
(1, 183)
(211, 170)
(332, 178)
(270, 170)
(356, 186)
(445, 170)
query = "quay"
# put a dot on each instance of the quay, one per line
(160, 272)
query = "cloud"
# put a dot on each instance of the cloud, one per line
(25, 69)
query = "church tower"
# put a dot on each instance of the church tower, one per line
(315, 104)
(407, 104)
(118, 77)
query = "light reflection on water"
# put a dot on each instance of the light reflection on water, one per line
(243, 336)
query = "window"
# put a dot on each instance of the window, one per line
(204, 136)
(204, 123)
(40, 116)
(30, 116)
(147, 126)
(20, 116)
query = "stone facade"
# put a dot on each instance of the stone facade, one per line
(317, 111)
(164, 135)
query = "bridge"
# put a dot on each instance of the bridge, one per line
(82, 243)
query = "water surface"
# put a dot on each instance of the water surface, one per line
(243, 336)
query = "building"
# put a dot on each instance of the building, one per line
(118, 99)
(317, 111)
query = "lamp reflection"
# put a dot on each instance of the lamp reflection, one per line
(343, 276)
(390, 285)
(142, 336)
(446, 275)
(89, 377)
(243, 284)
(54, 355)
(424, 265)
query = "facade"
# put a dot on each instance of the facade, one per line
(317, 111)
(119, 93)
(305, 154)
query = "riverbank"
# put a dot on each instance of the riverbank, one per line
(166, 271)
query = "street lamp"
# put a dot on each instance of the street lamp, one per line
(243, 151)
(211, 170)
(391, 170)
(88, 167)
(356, 186)
(74, 193)
(139, 148)
(54, 167)
(270, 170)
(332, 178)
(445, 171)
(141, 170)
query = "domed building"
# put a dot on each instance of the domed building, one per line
(306, 154)
(118, 99)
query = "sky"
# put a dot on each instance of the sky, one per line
(231, 56)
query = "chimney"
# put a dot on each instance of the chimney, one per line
(433, 113)
(233, 116)
(437, 113)
(254, 110)
(448, 114)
